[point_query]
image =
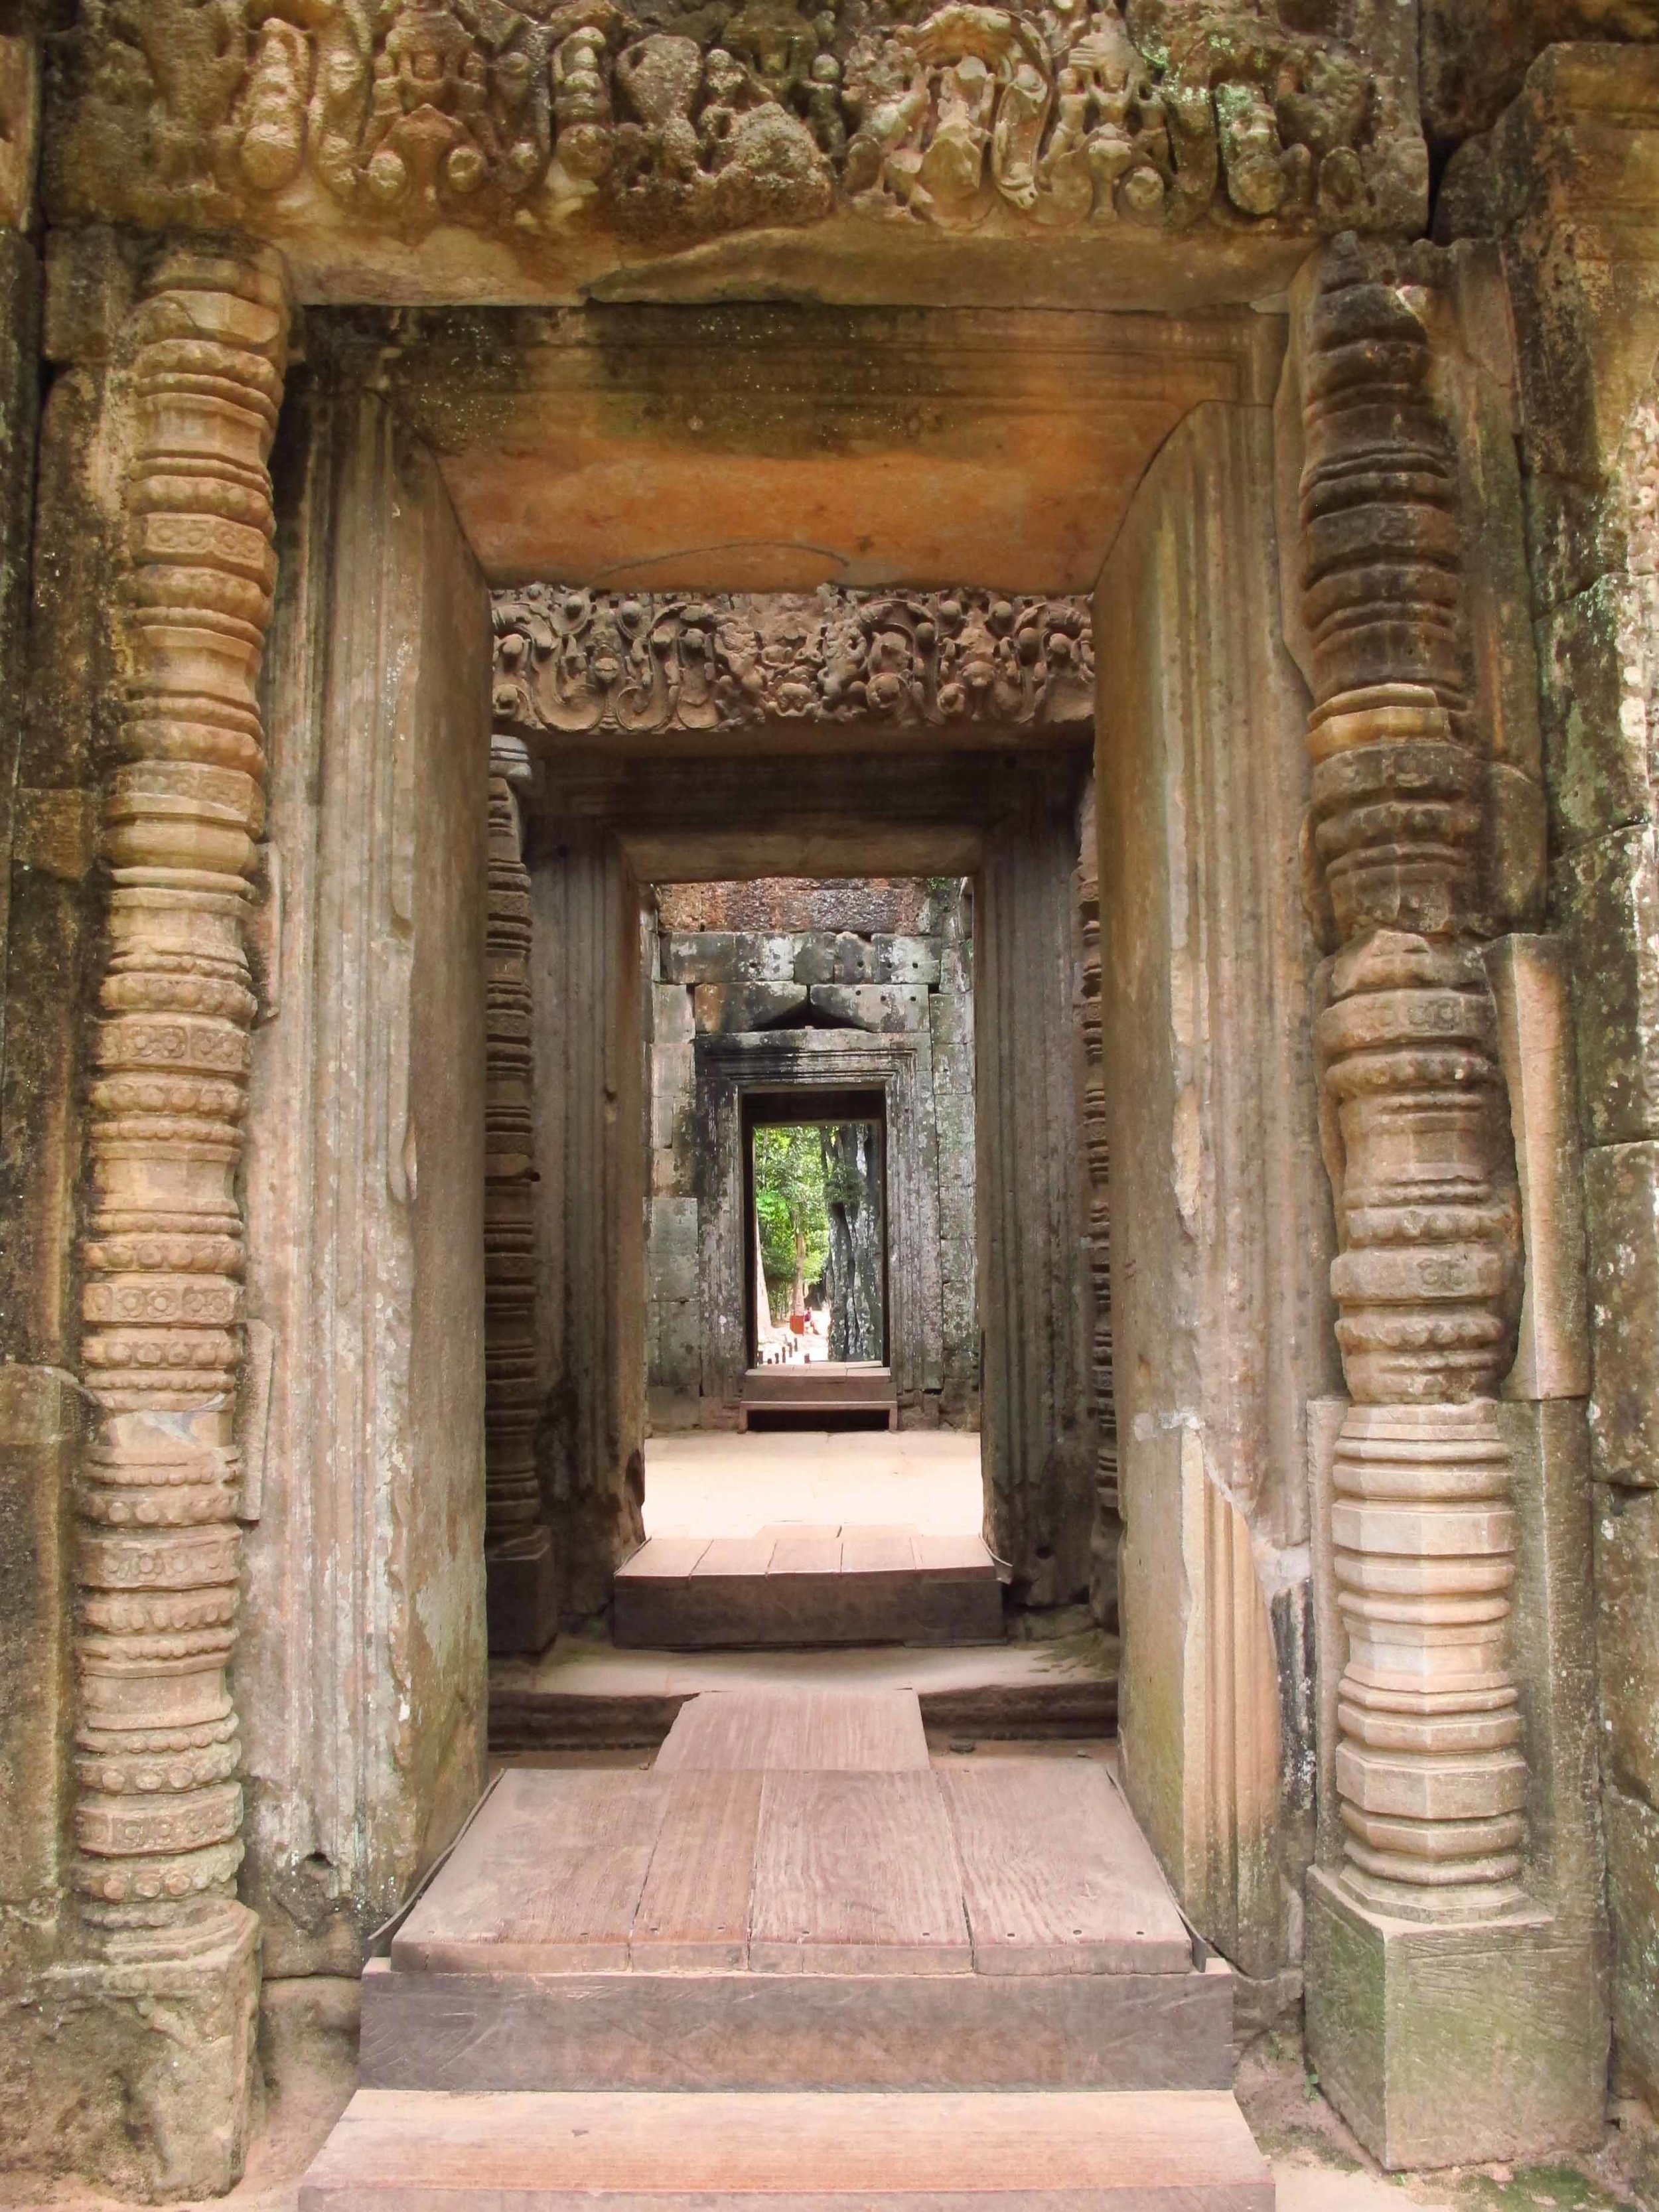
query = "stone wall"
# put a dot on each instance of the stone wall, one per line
(362, 1436)
(915, 983)
(1577, 155)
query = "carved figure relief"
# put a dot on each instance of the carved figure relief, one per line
(1429, 1768)
(741, 115)
(579, 662)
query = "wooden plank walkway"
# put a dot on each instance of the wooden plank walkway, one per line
(401, 2152)
(807, 1586)
(796, 1966)
(849, 1853)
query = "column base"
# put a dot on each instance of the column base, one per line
(521, 1595)
(147, 2078)
(1450, 2045)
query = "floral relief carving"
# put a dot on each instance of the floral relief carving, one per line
(741, 115)
(580, 662)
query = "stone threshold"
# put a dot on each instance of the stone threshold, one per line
(584, 1694)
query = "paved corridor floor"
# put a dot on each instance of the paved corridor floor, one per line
(736, 1486)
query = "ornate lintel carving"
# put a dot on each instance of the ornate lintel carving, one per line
(675, 121)
(579, 663)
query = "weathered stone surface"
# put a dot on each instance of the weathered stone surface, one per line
(548, 154)
(724, 956)
(673, 433)
(365, 1182)
(1475, 59)
(906, 960)
(1037, 1412)
(1627, 1535)
(1220, 1322)
(844, 958)
(1632, 1834)
(1608, 893)
(671, 1015)
(1600, 694)
(727, 1009)
(1535, 1051)
(1441, 2043)
(1621, 1208)
(590, 1114)
(888, 1009)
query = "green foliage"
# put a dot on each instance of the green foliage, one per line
(789, 1200)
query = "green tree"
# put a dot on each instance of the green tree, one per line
(789, 1205)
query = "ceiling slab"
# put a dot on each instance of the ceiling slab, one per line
(767, 448)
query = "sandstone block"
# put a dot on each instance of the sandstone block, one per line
(955, 967)
(679, 1345)
(724, 1009)
(1626, 1546)
(1621, 1204)
(708, 956)
(725, 956)
(1608, 895)
(951, 1017)
(888, 1009)
(906, 960)
(671, 1093)
(833, 957)
(1597, 652)
(674, 1248)
(1632, 1834)
(1534, 1044)
(1482, 2041)
(670, 1014)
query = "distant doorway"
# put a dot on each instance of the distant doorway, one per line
(816, 1204)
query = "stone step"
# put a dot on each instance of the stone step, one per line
(796, 1896)
(491, 2030)
(800, 2151)
(807, 1586)
(586, 1696)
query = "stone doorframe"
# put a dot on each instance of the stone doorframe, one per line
(1446, 1542)
(776, 1062)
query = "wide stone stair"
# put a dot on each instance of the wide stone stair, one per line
(796, 1965)
(811, 1587)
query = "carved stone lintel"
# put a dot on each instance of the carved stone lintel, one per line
(158, 1807)
(584, 665)
(1414, 1120)
(517, 1545)
(1041, 115)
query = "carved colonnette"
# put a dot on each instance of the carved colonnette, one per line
(158, 1806)
(1427, 1277)
(1455, 1924)
(518, 1543)
(1097, 1148)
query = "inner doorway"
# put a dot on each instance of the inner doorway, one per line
(812, 1352)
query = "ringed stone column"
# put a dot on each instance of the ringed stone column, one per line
(1430, 1958)
(518, 1560)
(158, 1807)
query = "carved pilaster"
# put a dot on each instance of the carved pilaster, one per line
(158, 1807)
(1429, 1771)
(1108, 1529)
(518, 1544)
